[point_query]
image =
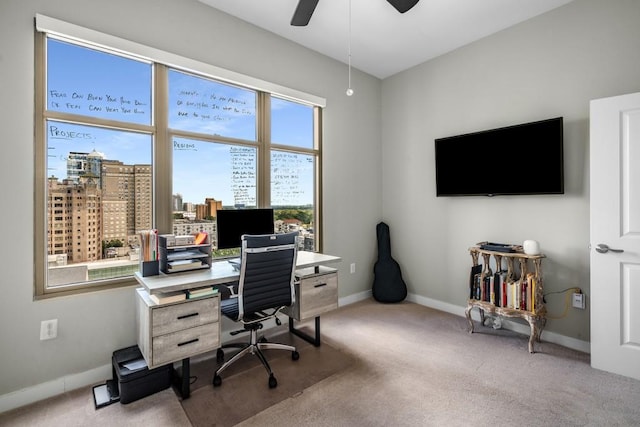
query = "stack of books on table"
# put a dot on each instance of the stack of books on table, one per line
(201, 292)
(168, 297)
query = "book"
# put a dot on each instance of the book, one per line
(504, 293)
(475, 270)
(498, 284)
(168, 297)
(477, 286)
(492, 291)
(511, 291)
(201, 238)
(201, 292)
(533, 294)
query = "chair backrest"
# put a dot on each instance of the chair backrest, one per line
(267, 272)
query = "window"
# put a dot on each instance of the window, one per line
(126, 143)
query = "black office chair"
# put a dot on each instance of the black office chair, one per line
(267, 274)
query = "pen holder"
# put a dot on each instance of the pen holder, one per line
(149, 268)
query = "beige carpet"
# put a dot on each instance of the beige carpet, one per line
(76, 408)
(245, 391)
(391, 364)
(416, 366)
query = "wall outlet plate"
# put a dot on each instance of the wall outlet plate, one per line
(578, 301)
(48, 329)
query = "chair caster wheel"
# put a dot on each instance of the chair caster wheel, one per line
(220, 355)
(273, 383)
(295, 355)
(217, 381)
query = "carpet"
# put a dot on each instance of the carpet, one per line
(76, 408)
(245, 392)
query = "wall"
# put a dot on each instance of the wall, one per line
(549, 66)
(91, 326)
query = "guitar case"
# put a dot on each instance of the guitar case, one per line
(388, 285)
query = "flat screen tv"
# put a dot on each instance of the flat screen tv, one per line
(231, 224)
(515, 160)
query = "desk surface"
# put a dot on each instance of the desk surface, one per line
(220, 272)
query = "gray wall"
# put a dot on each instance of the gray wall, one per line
(378, 158)
(552, 65)
(91, 326)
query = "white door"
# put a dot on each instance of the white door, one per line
(615, 222)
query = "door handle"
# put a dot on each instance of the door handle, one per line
(603, 249)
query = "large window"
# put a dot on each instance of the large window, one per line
(126, 143)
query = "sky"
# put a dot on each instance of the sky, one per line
(87, 82)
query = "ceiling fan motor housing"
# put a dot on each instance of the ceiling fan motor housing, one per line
(305, 8)
(403, 5)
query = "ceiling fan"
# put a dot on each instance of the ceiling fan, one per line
(305, 9)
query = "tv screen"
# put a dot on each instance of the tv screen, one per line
(514, 160)
(231, 224)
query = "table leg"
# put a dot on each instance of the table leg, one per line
(534, 333)
(313, 340)
(182, 381)
(467, 312)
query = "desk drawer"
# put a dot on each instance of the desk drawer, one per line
(184, 315)
(190, 342)
(316, 295)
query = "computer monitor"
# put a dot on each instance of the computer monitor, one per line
(233, 223)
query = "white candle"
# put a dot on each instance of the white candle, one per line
(531, 247)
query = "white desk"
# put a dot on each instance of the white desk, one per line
(177, 331)
(220, 272)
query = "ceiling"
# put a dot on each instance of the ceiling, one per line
(383, 41)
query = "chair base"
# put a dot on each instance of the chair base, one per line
(254, 347)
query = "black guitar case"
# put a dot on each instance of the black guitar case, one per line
(388, 285)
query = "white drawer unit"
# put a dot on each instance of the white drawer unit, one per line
(316, 292)
(177, 331)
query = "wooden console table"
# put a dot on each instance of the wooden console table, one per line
(527, 305)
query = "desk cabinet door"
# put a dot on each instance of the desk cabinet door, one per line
(316, 295)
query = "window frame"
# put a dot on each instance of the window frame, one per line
(161, 136)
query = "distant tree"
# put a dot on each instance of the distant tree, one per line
(305, 216)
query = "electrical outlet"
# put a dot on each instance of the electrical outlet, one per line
(353, 267)
(48, 329)
(578, 301)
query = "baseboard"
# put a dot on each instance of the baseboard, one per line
(58, 386)
(351, 299)
(572, 343)
(102, 373)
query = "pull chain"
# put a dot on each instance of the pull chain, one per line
(349, 90)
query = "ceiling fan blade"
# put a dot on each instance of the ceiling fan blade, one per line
(403, 5)
(303, 12)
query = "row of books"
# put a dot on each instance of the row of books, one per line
(498, 290)
(169, 297)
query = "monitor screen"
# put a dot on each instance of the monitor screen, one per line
(233, 223)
